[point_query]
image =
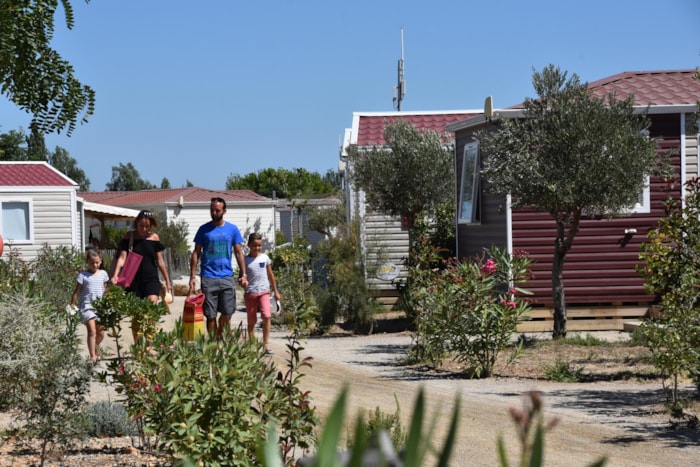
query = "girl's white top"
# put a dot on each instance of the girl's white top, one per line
(93, 286)
(256, 268)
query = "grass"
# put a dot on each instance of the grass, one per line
(562, 371)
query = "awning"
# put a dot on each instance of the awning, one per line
(103, 211)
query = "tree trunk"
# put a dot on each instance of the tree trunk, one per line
(567, 228)
(558, 294)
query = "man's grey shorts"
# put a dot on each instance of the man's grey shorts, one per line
(220, 296)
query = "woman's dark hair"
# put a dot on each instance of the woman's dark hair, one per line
(148, 214)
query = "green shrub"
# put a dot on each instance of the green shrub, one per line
(671, 270)
(585, 341)
(43, 378)
(108, 419)
(209, 401)
(379, 421)
(173, 233)
(344, 295)
(562, 371)
(291, 264)
(15, 272)
(469, 309)
(117, 305)
(54, 273)
(112, 237)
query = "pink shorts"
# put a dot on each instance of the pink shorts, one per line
(255, 302)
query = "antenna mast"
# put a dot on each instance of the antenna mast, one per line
(400, 88)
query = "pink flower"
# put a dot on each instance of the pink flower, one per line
(489, 267)
(156, 387)
(512, 304)
(121, 368)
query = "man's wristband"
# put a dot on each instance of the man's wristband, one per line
(243, 275)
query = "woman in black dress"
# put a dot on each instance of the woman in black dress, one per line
(146, 283)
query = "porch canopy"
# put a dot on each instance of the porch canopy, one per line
(103, 212)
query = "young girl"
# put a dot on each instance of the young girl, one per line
(91, 285)
(257, 295)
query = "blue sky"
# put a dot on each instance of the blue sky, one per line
(201, 90)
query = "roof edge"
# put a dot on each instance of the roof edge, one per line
(396, 113)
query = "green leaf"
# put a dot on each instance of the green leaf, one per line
(361, 442)
(537, 454)
(446, 452)
(268, 452)
(502, 456)
(327, 454)
(415, 434)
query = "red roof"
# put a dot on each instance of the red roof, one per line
(675, 87)
(32, 174)
(189, 195)
(370, 128)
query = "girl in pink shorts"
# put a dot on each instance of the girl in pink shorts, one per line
(261, 280)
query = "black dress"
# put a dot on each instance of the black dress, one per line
(146, 281)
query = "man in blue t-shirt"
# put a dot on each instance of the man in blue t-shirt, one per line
(214, 242)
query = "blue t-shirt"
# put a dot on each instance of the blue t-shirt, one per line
(217, 243)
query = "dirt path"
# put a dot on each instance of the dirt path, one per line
(615, 419)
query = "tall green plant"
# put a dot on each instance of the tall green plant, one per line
(344, 294)
(671, 270)
(291, 264)
(471, 309)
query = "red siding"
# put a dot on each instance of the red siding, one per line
(600, 267)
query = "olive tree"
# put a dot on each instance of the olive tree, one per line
(408, 176)
(571, 155)
(33, 75)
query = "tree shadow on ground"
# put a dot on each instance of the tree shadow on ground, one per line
(639, 411)
(384, 323)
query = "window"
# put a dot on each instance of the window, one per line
(469, 185)
(643, 203)
(16, 221)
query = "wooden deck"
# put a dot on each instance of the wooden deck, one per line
(608, 318)
(581, 318)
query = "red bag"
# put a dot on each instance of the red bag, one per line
(131, 265)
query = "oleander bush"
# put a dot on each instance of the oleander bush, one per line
(467, 309)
